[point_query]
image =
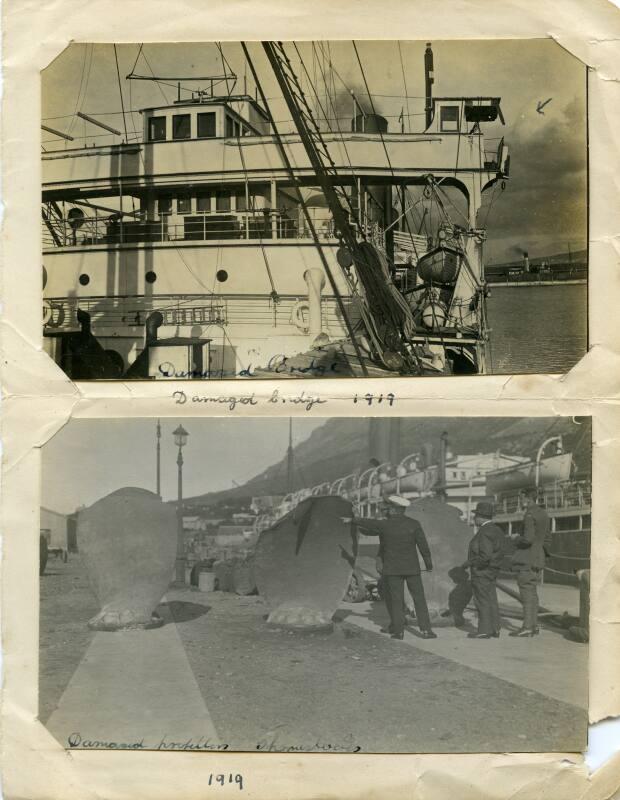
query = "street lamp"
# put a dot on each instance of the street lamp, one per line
(180, 439)
(158, 460)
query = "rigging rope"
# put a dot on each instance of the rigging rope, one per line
(274, 293)
(137, 57)
(309, 221)
(390, 313)
(120, 91)
(408, 323)
(84, 78)
(224, 65)
(402, 67)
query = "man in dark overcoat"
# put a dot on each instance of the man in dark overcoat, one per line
(483, 559)
(529, 560)
(400, 540)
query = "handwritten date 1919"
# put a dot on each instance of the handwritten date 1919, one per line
(222, 778)
(373, 399)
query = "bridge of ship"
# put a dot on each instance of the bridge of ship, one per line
(225, 186)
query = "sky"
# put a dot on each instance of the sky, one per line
(543, 208)
(88, 459)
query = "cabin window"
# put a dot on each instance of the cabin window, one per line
(164, 205)
(206, 125)
(222, 201)
(157, 129)
(240, 201)
(181, 126)
(230, 126)
(203, 202)
(184, 204)
(449, 118)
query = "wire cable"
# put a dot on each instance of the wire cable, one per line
(309, 221)
(120, 90)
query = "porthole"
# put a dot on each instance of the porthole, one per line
(221, 275)
(84, 279)
(150, 277)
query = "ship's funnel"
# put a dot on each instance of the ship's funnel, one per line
(526, 261)
(369, 123)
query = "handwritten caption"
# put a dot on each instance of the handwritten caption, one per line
(375, 399)
(231, 402)
(269, 744)
(277, 365)
(304, 399)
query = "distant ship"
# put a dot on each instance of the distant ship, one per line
(213, 245)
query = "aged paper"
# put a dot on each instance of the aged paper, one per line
(40, 399)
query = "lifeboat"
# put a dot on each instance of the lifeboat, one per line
(553, 469)
(441, 264)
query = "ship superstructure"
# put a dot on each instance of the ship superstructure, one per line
(211, 249)
(463, 481)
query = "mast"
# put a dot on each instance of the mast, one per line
(443, 450)
(289, 458)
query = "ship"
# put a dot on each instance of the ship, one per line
(218, 243)
(463, 480)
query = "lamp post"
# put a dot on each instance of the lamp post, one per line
(180, 439)
(158, 460)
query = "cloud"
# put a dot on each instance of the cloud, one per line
(544, 205)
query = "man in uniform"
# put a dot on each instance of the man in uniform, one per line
(400, 539)
(484, 559)
(529, 559)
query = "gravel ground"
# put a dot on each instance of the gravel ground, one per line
(272, 689)
(268, 689)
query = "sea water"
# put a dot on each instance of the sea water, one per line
(537, 328)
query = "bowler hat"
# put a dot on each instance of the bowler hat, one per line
(484, 510)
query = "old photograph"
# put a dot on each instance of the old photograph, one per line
(355, 585)
(314, 209)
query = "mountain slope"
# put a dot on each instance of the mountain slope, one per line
(341, 446)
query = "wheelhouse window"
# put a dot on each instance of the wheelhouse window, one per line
(241, 201)
(203, 202)
(449, 118)
(157, 129)
(232, 128)
(222, 201)
(184, 204)
(181, 126)
(206, 125)
(164, 205)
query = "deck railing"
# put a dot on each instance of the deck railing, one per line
(209, 226)
(194, 227)
(572, 494)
